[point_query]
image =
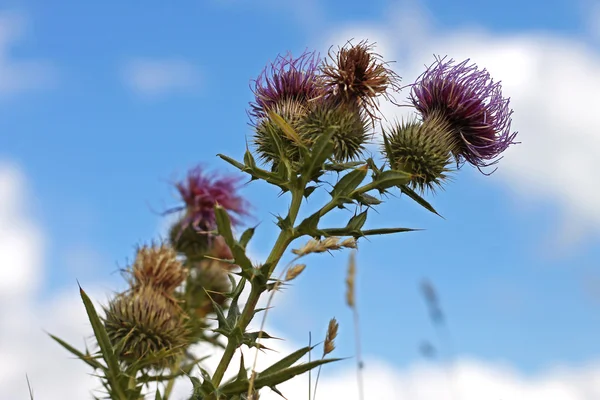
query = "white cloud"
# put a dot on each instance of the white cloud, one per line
(21, 241)
(553, 84)
(156, 78)
(17, 75)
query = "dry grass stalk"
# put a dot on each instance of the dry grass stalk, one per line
(327, 244)
(350, 298)
(294, 271)
(332, 331)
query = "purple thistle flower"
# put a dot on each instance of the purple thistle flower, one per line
(287, 78)
(201, 192)
(473, 105)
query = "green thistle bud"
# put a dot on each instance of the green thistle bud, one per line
(187, 240)
(348, 122)
(155, 328)
(207, 276)
(291, 111)
(422, 149)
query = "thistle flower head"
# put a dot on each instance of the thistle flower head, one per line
(350, 126)
(157, 265)
(421, 149)
(154, 330)
(357, 74)
(472, 103)
(287, 78)
(201, 193)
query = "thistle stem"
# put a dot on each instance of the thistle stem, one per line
(283, 241)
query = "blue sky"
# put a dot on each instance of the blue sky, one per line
(99, 145)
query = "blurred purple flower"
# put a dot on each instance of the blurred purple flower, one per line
(472, 103)
(287, 78)
(201, 192)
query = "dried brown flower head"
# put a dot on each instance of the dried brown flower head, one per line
(157, 265)
(358, 74)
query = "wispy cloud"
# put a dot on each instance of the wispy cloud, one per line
(154, 78)
(18, 75)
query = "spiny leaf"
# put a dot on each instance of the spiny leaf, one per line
(367, 200)
(320, 152)
(357, 222)
(88, 359)
(421, 201)
(113, 372)
(246, 236)
(224, 225)
(249, 159)
(349, 182)
(392, 178)
(274, 378)
(288, 360)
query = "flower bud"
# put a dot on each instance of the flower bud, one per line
(350, 126)
(154, 329)
(422, 149)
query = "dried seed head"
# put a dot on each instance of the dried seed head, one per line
(350, 279)
(358, 75)
(421, 149)
(349, 243)
(157, 266)
(350, 126)
(294, 271)
(332, 331)
(157, 329)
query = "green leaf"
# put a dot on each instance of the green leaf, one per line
(288, 360)
(274, 378)
(234, 162)
(246, 236)
(241, 259)
(224, 225)
(286, 128)
(421, 201)
(157, 396)
(349, 182)
(88, 359)
(242, 372)
(328, 232)
(391, 178)
(367, 200)
(357, 222)
(309, 190)
(309, 225)
(249, 159)
(113, 372)
(339, 167)
(320, 152)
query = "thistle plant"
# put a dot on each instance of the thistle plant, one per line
(312, 122)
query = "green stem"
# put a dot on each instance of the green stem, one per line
(283, 241)
(366, 188)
